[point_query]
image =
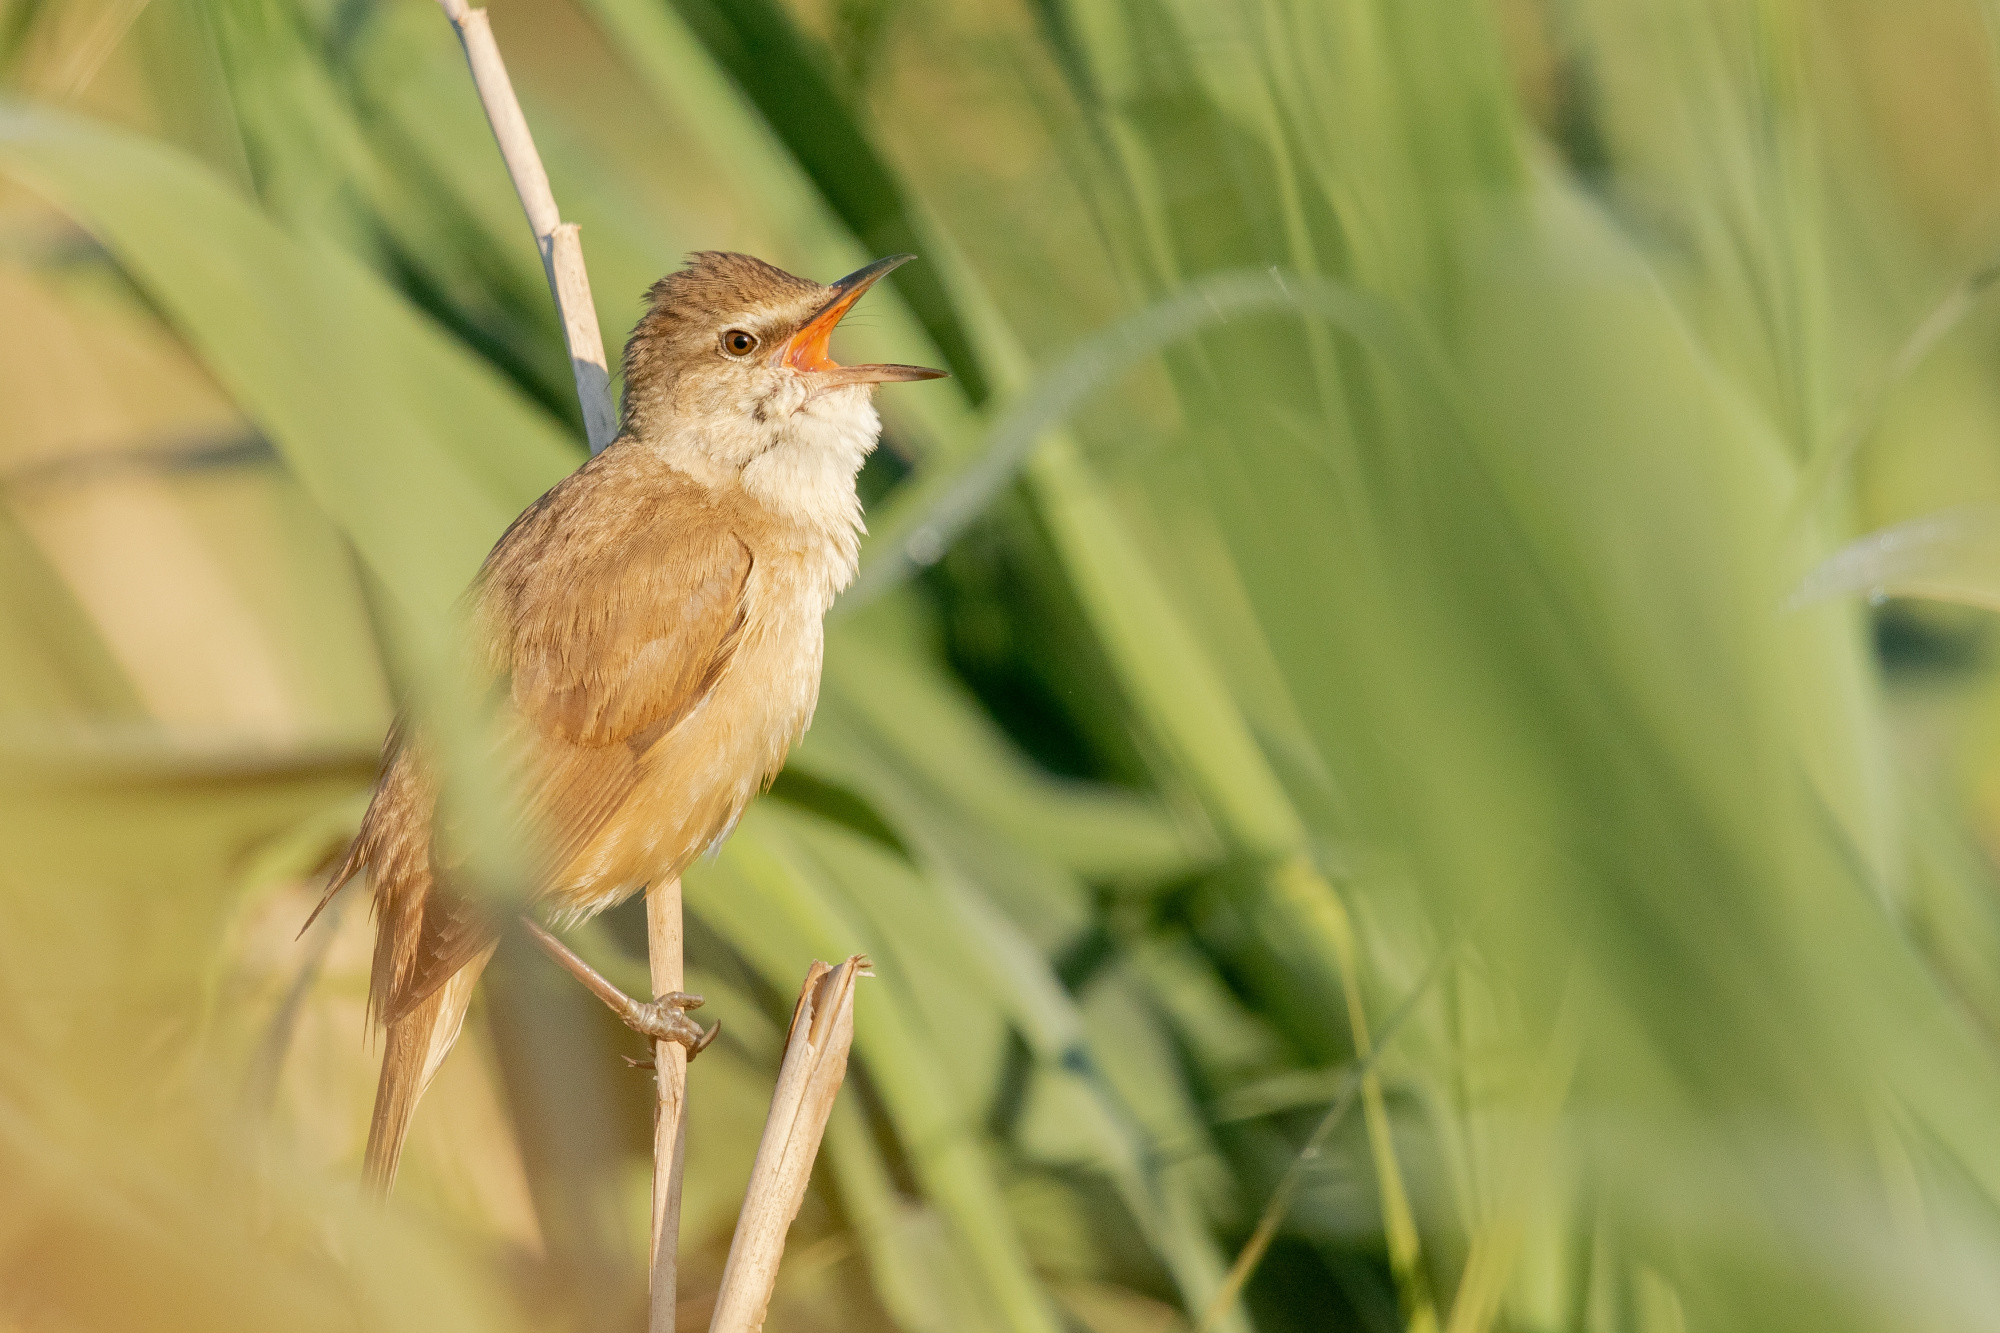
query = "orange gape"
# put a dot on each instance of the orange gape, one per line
(656, 623)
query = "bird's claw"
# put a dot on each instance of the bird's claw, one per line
(648, 1062)
(665, 1019)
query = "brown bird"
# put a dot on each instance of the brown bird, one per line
(653, 628)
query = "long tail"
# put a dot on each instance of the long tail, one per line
(417, 1044)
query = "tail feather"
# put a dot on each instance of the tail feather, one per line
(417, 1044)
(348, 867)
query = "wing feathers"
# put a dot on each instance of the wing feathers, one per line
(606, 623)
(608, 653)
(642, 651)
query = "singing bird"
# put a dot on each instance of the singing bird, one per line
(653, 628)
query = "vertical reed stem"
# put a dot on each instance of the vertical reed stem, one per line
(560, 243)
(561, 248)
(663, 953)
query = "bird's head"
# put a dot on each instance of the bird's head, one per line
(735, 351)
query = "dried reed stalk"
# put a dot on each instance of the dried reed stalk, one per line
(814, 1065)
(561, 247)
(560, 243)
(670, 1072)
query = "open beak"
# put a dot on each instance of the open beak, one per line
(807, 349)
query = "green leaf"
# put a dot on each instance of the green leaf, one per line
(1951, 556)
(418, 450)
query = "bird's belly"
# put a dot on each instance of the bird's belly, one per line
(698, 778)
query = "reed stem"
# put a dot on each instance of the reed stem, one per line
(560, 243)
(809, 1078)
(663, 954)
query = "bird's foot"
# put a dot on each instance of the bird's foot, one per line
(665, 1019)
(694, 1048)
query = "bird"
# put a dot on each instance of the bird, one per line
(650, 631)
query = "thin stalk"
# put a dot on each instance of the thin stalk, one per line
(1864, 415)
(1399, 1223)
(670, 1061)
(1352, 1082)
(663, 954)
(560, 243)
(561, 247)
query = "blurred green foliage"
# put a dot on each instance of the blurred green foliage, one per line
(1360, 694)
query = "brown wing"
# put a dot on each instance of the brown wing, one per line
(609, 617)
(607, 646)
(624, 650)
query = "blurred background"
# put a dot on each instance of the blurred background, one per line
(1419, 723)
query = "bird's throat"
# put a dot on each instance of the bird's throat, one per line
(806, 471)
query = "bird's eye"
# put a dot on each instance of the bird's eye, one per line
(737, 342)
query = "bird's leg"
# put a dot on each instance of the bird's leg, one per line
(663, 1019)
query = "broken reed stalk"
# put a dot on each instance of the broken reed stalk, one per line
(809, 1078)
(560, 242)
(815, 1063)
